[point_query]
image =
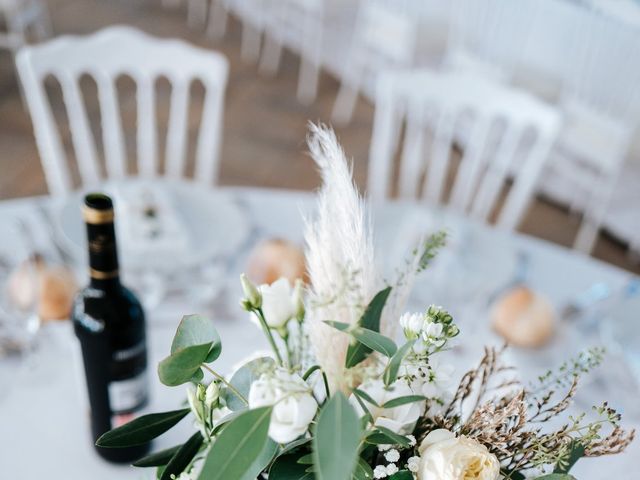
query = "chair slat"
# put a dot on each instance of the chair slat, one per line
(112, 137)
(147, 130)
(81, 135)
(177, 129)
(207, 149)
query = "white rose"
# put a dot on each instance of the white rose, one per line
(400, 419)
(447, 457)
(294, 408)
(279, 303)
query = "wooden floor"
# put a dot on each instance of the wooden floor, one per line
(264, 125)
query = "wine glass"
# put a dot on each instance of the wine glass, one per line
(19, 293)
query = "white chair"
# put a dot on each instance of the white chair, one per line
(511, 131)
(21, 16)
(105, 56)
(488, 37)
(252, 14)
(600, 103)
(296, 24)
(384, 39)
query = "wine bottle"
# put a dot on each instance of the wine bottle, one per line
(109, 323)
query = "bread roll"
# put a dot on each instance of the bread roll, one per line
(276, 258)
(57, 289)
(523, 318)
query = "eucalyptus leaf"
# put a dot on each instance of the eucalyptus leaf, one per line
(269, 451)
(287, 467)
(238, 447)
(182, 458)
(390, 374)
(402, 475)
(576, 452)
(197, 330)
(142, 429)
(396, 402)
(181, 366)
(371, 321)
(384, 436)
(336, 441)
(363, 471)
(375, 341)
(157, 459)
(242, 380)
(365, 396)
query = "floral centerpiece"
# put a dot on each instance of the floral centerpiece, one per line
(338, 398)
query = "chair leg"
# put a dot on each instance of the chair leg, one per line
(345, 104)
(250, 47)
(218, 15)
(271, 53)
(197, 13)
(308, 81)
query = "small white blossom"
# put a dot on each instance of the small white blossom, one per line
(412, 440)
(383, 447)
(413, 464)
(392, 455)
(380, 471)
(391, 469)
(280, 303)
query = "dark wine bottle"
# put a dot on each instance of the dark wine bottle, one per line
(109, 323)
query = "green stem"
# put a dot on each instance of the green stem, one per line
(229, 386)
(265, 327)
(308, 373)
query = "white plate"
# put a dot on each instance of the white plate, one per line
(217, 226)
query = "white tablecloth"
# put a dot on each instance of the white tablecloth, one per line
(43, 425)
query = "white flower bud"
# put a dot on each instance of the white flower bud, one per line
(211, 395)
(252, 297)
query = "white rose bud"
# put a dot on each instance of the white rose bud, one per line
(294, 407)
(447, 457)
(278, 303)
(252, 298)
(211, 395)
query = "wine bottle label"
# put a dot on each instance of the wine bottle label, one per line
(128, 395)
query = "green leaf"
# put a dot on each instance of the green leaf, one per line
(306, 459)
(343, 327)
(181, 366)
(238, 446)
(390, 374)
(396, 402)
(142, 429)
(157, 459)
(375, 341)
(384, 436)
(556, 476)
(363, 471)
(183, 457)
(335, 444)
(242, 380)
(575, 453)
(365, 396)
(402, 475)
(371, 321)
(262, 462)
(197, 330)
(287, 467)
(224, 421)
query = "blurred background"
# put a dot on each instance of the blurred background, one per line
(510, 123)
(576, 58)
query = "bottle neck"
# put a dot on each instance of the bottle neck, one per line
(103, 255)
